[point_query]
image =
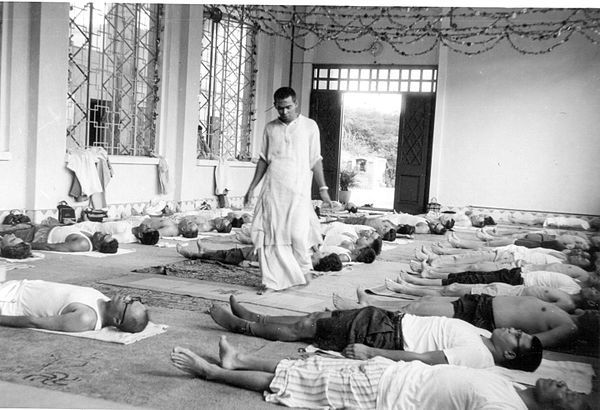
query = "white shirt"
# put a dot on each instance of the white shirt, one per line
(417, 386)
(551, 280)
(460, 341)
(338, 232)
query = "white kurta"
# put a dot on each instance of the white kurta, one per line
(285, 225)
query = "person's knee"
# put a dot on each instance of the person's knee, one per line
(305, 328)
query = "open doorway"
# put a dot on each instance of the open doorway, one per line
(369, 146)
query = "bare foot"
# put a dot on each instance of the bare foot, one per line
(404, 276)
(184, 251)
(454, 241)
(242, 312)
(395, 286)
(189, 362)
(420, 255)
(483, 235)
(228, 354)
(226, 319)
(437, 249)
(342, 303)
(417, 266)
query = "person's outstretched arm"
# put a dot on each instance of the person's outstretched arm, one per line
(259, 172)
(75, 321)
(320, 180)
(361, 352)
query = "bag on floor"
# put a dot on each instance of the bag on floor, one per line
(94, 215)
(16, 217)
(66, 214)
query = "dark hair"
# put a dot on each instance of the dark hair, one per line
(329, 263)
(185, 229)
(223, 225)
(377, 245)
(150, 237)
(283, 93)
(528, 360)
(390, 235)
(21, 250)
(108, 247)
(135, 322)
(366, 255)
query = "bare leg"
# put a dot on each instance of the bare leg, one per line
(419, 281)
(189, 252)
(391, 304)
(304, 327)
(243, 313)
(233, 359)
(409, 289)
(189, 362)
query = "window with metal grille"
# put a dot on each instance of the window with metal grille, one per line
(227, 87)
(375, 80)
(112, 98)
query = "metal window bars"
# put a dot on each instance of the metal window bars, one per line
(227, 87)
(112, 98)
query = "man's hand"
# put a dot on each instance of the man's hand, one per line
(248, 197)
(325, 198)
(358, 351)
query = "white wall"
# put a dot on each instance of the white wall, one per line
(511, 131)
(520, 132)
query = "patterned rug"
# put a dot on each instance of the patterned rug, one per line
(210, 271)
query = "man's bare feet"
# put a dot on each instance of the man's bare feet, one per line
(189, 362)
(421, 255)
(437, 249)
(454, 241)
(342, 303)
(244, 313)
(417, 266)
(483, 235)
(227, 354)
(404, 276)
(226, 319)
(399, 287)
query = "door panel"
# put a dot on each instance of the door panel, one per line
(326, 110)
(414, 153)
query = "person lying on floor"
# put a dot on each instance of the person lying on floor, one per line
(513, 276)
(378, 383)
(67, 308)
(552, 325)
(12, 247)
(383, 227)
(348, 236)
(188, 226)
(586, 298)
(504, 236)
(72, 238)
(328, 260)
(369, 332)
(508, 254)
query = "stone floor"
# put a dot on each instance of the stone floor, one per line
(41, 370)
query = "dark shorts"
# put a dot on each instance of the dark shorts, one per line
(370, 326)
(235, 256)
(540, 240)
(510, 276)
(475, 309)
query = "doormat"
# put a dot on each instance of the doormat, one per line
(209, 270)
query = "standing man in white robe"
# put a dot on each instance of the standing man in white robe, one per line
(285, 226)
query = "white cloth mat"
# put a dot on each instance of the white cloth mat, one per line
(96, 254)
(113, 335)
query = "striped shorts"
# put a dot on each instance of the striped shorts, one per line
(319, 382)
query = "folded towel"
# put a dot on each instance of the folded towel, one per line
(95, 254)
(578, 376)
(113, 335)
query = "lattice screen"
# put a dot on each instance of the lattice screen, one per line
(113, 77)
(227, 82)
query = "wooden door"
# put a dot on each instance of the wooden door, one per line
(413, 169)
(326, 110)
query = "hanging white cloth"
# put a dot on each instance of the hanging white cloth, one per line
(83, 164)
(221, 177)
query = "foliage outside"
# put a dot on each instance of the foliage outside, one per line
(372, 131)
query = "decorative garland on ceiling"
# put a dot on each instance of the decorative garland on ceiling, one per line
(411, 31)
